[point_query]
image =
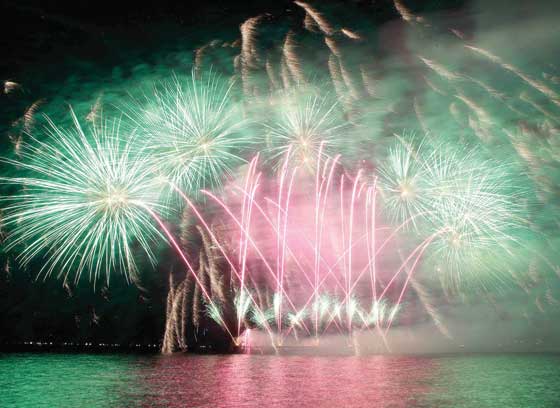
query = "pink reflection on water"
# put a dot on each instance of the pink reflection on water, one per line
(287, 381)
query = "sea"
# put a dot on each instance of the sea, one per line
(74, 380)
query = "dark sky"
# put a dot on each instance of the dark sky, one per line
(38, 41)
(32, 27)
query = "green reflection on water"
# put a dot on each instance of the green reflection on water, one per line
(488, 381)
(467, 381)
(67, 380)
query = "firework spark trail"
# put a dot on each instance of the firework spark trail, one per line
(456, 113)
(550, 298)
(407, 14)
(237, 68)
(370, 214)
(418, 252)
(197, 306)
(95, 111)
(351, 34)
(10, 86)
(249, 50)
(551, 78)
(179, 251)
(343, 236)
(330, 268)
(433, 87)
(168, 341)
(248, 178)
(215, 281)
(285, 74)
(457, 33)
(315, 285)
(424, 297)
(350, 234)
(17, 143)
(494, 93)
(399, 179)
(272, 77)
(539, 305)
(333, 46)
(282, 246)
(277, 233)
(250, 240)
(539, 86)
(420, 115)
(176, 317)
(206, 52)
(317, 17)
(356, 91)
(180, 325)
(251, 182)
(371, 259)
(349, 293)
(247, 227)
(526, 98)
(250, 58)
(280, 238)
(440, 70)
(354, 309)
(309, 24)
(201, 307)
(291, 58)
(321, 193)
(185, 297)
(28, 118)
(336, 77)
(481, 114)
(198, 57)
(343, 258)
(341, 73)
(320, 215)
(479, 130)
(243, 249)
(318, 234)
(368, 79)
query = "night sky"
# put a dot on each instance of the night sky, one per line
(47, 45)
(40, 43)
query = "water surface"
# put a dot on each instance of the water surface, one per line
(89, 380)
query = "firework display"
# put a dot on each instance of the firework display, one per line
(82, 201)
(300, 199)
(193, 130)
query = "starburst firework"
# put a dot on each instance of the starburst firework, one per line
(195, 131)
(83, 200)
(471, 206)
(306, 127)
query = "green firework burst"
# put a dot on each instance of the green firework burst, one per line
(83, 201)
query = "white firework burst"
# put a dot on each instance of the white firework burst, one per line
(195, 131)
(83, 202)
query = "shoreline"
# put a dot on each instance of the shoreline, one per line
(155, 349)
(79, 348)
